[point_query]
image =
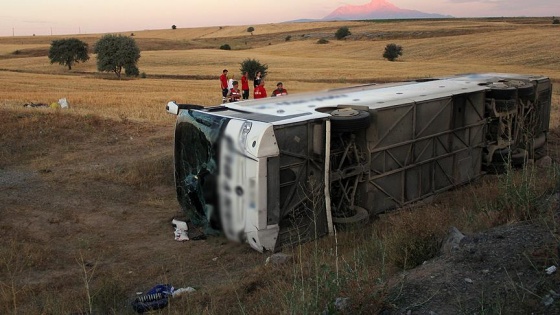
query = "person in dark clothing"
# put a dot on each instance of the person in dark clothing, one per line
(257, 79)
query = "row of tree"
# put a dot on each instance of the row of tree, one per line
(114, 53)
(117, 52)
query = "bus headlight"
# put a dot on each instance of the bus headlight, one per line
(245, 129)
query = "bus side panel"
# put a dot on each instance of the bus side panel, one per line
(423, 148)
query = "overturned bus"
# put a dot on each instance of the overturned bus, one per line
(281, 171)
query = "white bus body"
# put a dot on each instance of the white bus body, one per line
(281, 171)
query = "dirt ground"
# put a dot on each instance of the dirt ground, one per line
(86, 208)
(76, 203)
(499, 271)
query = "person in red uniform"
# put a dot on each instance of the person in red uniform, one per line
(234, 93)
(280, 90)
(224, 85)
(260, 91)
(245, 85)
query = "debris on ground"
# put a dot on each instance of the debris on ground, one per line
(181, 230)
(181, 291)
(62, 103)
(156, 298)
(31, 104)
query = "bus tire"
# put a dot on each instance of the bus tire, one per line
(349, 120)
(360, 216)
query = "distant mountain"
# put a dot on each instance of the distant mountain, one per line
(378, 9)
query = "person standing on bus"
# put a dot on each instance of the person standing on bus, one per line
(260, 91)
(224, 85)
(245, 85)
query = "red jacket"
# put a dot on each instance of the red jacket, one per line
(244, 83)
(259, 92)
(279, 92)
(234, 95)
(223, 81)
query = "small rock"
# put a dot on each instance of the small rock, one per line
(485, 271)
(544, 162)
(468, 280)
(215, 258)
(341, 303)
(278, 259)
(453, 240)
(550, 270)
(547, 300)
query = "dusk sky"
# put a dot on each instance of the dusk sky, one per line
(41, 17)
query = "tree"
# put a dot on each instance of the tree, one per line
(392, 52)
(225, 47)
(252, 66)
(173, 27)
(342, 33)
(323, 41)
(115, 52)
(250, 29)
(68, 51)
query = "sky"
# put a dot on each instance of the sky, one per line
(62, 17)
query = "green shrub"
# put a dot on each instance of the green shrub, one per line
(288, 37)
(225, 47)
(342, 33)
(323, 41)
(392, 52)
(131, 70)
(252, 66)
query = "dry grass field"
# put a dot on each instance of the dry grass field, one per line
(87, 193)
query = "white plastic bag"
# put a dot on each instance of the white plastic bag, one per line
(63, 103)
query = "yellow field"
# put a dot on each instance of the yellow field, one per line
(431, 48)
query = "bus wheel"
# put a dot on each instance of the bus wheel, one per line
(360, 216)
(348, 120)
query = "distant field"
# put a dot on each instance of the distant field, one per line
(431, 48)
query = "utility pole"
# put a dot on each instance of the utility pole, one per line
(13, 32)
(51, 31)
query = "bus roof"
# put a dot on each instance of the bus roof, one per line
(306, 106)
